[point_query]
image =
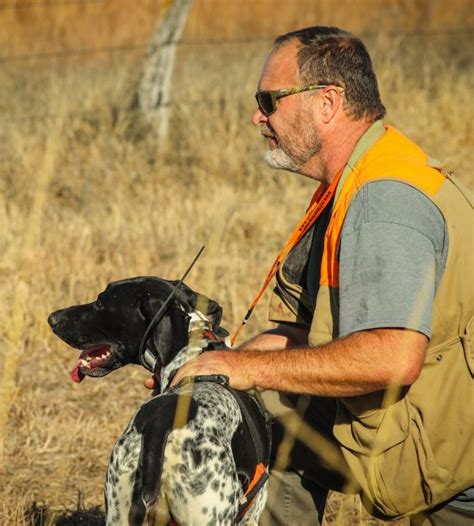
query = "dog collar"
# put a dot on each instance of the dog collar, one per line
(211, 378)
(201, 338)
(148, 359)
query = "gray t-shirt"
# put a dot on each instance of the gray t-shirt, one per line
(393, 250)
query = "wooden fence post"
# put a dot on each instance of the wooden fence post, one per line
(155, 87)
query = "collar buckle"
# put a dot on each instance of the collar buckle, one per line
(148, 360)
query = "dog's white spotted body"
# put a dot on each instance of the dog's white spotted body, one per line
(121, 472)
(199, 469)
(199, 484)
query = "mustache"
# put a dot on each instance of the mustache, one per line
(267, 131)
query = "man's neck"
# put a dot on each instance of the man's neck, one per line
(337, 148)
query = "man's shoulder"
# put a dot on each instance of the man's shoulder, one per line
(391, 201)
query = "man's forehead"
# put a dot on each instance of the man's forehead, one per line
(280, 69)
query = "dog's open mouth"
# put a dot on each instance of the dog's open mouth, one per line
(93, 361)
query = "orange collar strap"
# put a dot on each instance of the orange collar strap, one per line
(256, 484)
(319, 201)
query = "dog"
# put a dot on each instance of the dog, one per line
(194, 454)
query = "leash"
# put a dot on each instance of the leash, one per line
(318, 203)
(146, 358)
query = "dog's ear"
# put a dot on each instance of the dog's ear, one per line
(180, 324)
(148, 307)
(210, 308)
(171, 331)
(191, 300)
(214, 314)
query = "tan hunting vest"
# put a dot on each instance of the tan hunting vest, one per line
(409, 450)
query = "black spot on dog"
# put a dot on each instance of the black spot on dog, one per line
(215, 485)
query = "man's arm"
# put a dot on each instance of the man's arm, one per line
(282, 337)
(361, 363)
(391, 260)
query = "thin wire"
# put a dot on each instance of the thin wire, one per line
(74, 52)
(29, 5)
(220, 42)
(75, 114)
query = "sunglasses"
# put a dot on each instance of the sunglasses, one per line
(266, 100)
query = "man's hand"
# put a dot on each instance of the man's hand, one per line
(231, 365)
(227, 363)
(152, 382)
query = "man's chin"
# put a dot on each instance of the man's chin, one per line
(279, 160)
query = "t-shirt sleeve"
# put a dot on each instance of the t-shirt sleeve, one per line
(392, 256)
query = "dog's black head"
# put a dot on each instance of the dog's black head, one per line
(109, 330)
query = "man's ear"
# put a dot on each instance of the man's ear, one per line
(329, 103)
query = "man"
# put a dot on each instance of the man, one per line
(373, 303)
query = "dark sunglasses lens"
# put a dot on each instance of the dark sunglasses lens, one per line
(265, 102)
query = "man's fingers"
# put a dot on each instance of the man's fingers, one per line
(151, 383)
(190, 368)
(177, 378)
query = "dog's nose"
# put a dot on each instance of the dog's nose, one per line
(53, 318)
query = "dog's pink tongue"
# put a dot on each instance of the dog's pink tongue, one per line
(76, 374)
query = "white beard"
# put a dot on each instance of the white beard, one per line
(279, 160)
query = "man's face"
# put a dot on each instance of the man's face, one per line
(292, 137)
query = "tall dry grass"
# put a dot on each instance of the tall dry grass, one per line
(88, 195)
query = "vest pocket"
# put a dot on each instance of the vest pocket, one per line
(406, 479)
(466, 341)
(363, 427)
(389, 452)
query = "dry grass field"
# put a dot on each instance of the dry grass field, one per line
(88, 194)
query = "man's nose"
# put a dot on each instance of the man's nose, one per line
(259, 117)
